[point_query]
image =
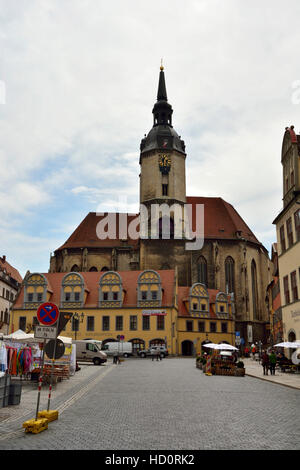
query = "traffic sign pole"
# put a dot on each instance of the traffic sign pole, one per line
(40, 382)
(52, 370)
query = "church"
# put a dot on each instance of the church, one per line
(230, 258)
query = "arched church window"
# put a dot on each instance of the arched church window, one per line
(202, 270)
(229, 274)
(254, 290)
(199, 300)
(93, 269)
(110, 290)
(104, 269)
(72, 290)
(75, 268)
(35, 290)
(149, 289)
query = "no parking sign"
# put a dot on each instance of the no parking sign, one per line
(47, 314)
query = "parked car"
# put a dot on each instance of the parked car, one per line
(153, 350)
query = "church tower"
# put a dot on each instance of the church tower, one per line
(162, 157)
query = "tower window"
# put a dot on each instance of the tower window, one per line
(164, 189)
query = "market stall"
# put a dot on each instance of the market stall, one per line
(220, 361)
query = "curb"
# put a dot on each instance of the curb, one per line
(272, 381)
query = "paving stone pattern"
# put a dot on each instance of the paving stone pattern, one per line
(168, 405)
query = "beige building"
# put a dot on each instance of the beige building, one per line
(288, 236)
(10, 283)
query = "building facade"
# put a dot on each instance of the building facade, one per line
(145, 307)
(273, 300)
(288, 236)
(10, 283)
(231, 259)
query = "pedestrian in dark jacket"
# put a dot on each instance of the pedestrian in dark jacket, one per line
(265, 362)
(272, 360)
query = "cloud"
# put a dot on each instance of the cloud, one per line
(80, 82)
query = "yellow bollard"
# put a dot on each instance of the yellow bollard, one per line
(36, 425)
(50, 415)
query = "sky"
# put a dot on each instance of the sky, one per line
(78, 81)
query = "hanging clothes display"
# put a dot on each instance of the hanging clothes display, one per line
(3, 358)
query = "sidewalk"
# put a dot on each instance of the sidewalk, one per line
(254, 369)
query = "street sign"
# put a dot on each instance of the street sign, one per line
(45, 332)
(59, 350)
(64, 317)
(47, 314)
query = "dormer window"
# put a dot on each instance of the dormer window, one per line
(110, 290)
(199, 299)
(72, 290)
(149, 289)
(222, 304)
(35, 290)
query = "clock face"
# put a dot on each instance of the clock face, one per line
(164, 163)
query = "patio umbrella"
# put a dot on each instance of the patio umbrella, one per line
(210, 345)
(226, 346)
(288, 344)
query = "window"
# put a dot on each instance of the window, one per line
(119, 323)
(294, 286)
(297, 224)
(189, 325)
(201, 326)
(203, 307)
(160, 322)
(22, 323)
(195, 306)
(133, 322)
(202, 271)
(229, 274)
(72, 290)
(286, 289)
(292, 178)
(146, 322)
(39, 297)
(149, 289)
(90, 325)
(164, 189)
(224, 328)
(289, 230)
(282, 238)
(213, 327)
(110, 290)
(221, 308)
(105, 323)
(30, 297)
(254, 290)
(199, 299)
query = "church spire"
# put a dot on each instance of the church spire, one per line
(162, 110)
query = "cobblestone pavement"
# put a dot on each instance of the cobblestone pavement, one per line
(164, 405)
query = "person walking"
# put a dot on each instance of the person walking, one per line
(265, 362)
(272, 360)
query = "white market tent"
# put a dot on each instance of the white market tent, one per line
(288, 344)
(20, 336)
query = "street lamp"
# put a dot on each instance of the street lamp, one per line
(78, 319)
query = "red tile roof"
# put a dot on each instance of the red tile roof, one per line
(91, 281)
(9, 269)
(221, 221)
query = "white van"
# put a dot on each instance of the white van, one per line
(122, 348)
(90, 351)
